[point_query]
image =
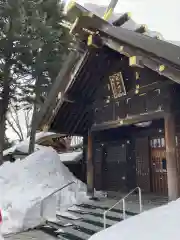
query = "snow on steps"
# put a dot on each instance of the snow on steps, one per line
(81, 221)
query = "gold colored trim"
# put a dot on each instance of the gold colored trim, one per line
(70, 5)
(161, 68)
(108, 14)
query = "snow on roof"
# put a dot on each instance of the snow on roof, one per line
(24, 184)
(24, 145)
(71, 156)
(159, 16)
(40, 135)
(156, 224)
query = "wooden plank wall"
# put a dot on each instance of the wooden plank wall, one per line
(177, 119)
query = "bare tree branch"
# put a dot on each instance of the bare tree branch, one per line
(14, 129)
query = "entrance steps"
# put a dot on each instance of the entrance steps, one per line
(80, 222)
(87, 220)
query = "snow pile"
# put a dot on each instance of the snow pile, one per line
(24, 184)
(22, 147)
(158, 223)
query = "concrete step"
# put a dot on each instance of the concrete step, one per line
(71, 232)
(30, 235)
(105, 206)
(79, 223)
(82, 224)
(115, 216)
(96, 217)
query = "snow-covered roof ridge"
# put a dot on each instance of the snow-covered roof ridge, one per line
(130, 24)
(126, 39)
(160, 17)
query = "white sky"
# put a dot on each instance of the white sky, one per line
(159, 15)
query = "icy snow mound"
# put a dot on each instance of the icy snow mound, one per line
(145, 226)
(24, 184)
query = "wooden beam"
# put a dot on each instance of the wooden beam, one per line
(109, 11)
(90, 167)
(94, 41)
(170, 138)
(129, 120)
(151, 46)
(149, 62)
(62, 82)
(74, 10)
(142, 29)
(136, 61)
(122, 20)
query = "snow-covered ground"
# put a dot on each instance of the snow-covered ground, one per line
(24, 185)
(1, 237)
(158, 223)
(160, 16)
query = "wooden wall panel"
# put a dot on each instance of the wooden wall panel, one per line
(120, 109)
(136, 105)
(108, 111)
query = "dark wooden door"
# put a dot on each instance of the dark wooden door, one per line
(143, 163)
(114, 178)
(158, 165)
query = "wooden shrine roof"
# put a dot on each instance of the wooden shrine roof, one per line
(103, 43)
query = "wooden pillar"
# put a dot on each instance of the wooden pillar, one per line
(172, 174)
(90, 168)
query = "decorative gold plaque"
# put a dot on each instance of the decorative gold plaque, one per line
(117, 85)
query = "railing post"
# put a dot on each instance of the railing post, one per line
(42, 203)
(124, 205)
(124, 209)
(140, 200)
(104, 220)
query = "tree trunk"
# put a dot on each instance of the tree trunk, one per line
(33, 130)
(4, 102)
(2, 135)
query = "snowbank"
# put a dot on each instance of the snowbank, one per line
(24, 184)
(156, 224)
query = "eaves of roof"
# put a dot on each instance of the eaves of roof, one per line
(156, 54)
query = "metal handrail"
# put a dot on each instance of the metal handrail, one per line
(51, 194)
(124, 206)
